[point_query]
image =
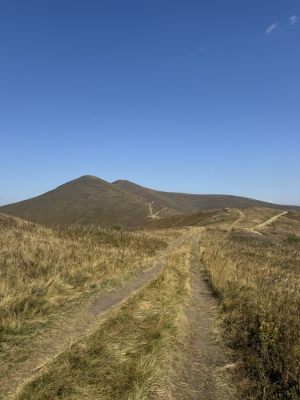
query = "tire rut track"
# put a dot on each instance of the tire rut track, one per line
(202, 361)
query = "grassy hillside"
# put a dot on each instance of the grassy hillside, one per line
(252, 262)
(42, 269)
(191, 203)
(197, 219)
(257, 279)
(89, 200)
(86, 200)
(46, 273)
(221, 218)
(130, 354)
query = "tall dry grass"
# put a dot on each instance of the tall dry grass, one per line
(129, 356)
(44, 269)
(257, 279)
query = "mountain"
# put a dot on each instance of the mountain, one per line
(91, 200)
(85, 200)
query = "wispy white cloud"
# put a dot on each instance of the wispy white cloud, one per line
(271, 28)
(293, 19)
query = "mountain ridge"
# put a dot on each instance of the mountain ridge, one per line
(90, 200)
(195, 205)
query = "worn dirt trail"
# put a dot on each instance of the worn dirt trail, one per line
(268, 222)
(49, 343)
(202, 362)
(240, 219)
(155, 216)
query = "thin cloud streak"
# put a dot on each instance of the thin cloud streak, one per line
(271, 28)
(293, 19)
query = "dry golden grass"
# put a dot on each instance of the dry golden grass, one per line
(256, 215)
(43, 270)
(129, 355)
(257, 279)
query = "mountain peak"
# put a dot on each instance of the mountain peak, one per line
(120, 181)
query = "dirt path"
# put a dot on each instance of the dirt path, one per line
(268, 222)
(49, 343)
(240, 218)
(202, 360)
(155, 216)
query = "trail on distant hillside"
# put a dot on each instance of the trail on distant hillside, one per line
(268, 222)
(155, 216)
(240, 218)
(71, 327)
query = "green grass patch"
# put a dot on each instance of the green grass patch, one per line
(292, 239)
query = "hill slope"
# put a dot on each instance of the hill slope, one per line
(192, 203)
(86, 200)
(90, 200)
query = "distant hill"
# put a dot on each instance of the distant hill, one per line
(192, 203)
(90, 200)
(85, 200)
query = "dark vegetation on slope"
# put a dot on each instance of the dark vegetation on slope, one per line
(197, 219)
(89, 200)
(86, 200)
(191, 203)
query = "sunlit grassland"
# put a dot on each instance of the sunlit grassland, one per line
(130, 355)
(257, 279)
(42, 270)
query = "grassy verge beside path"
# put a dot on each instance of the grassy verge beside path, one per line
(257, 279)
(129, 355)
(44, 269)
(46, 275)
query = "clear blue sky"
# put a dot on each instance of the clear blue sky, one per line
(189, 96)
